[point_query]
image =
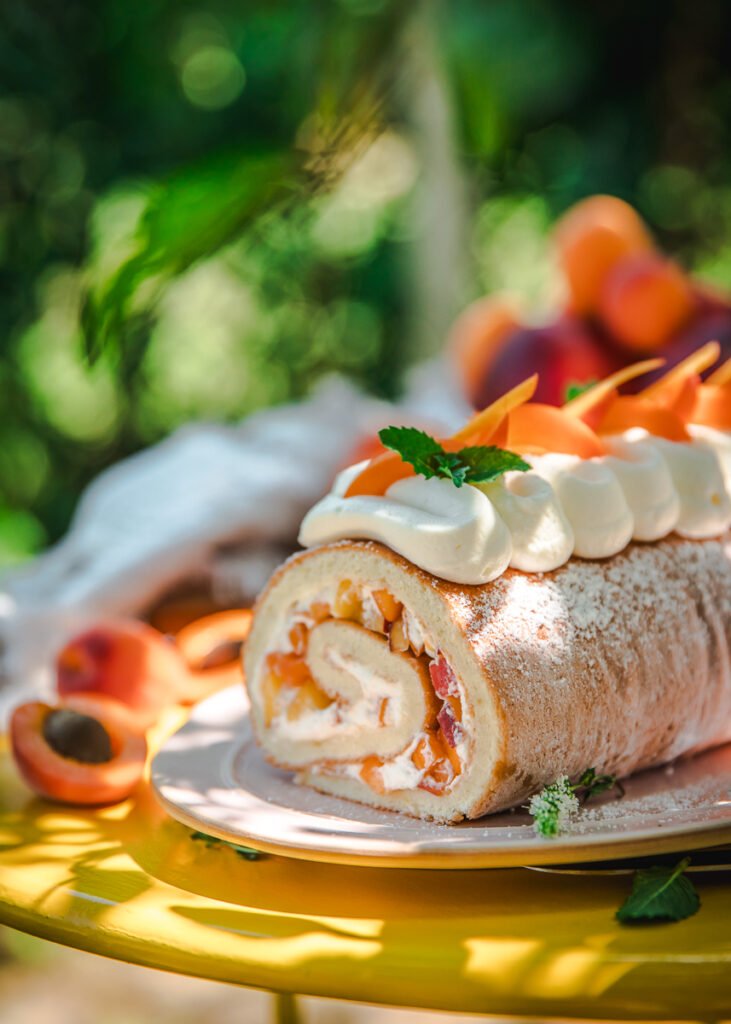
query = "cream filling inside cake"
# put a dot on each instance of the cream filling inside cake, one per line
(392, 715)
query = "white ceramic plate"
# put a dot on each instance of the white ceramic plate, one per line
(211, 776)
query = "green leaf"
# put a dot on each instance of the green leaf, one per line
(191, 216)
(488, 463)
(467, 466)
(574, 390)
(410, 443)
(212, 842)
(593, 784)
(660, 893)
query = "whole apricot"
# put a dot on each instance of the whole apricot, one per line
(128, 661)
(644, 301)
(84, 751)
(590, 239)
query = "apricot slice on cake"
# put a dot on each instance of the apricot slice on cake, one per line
(84, 751)
(128, 661)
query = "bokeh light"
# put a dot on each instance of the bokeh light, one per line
(124, 140)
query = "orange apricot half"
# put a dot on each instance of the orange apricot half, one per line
(211, 647)
(83, 751)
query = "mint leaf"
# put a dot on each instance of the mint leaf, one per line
(212, 842)
(574, 390)
(410, 441)
(592, 784)
(451, 467)
(415, 447)
(660, 894)
(478, 464)
(488, 463)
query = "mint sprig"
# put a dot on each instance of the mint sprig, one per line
(556, 804)
(660, 893)
(477, 464)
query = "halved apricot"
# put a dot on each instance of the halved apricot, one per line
(211, 648)
(128, 661)
(84, 751)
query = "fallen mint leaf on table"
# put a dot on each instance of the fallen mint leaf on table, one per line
(246, 852)
(660, 894)
(472, 465)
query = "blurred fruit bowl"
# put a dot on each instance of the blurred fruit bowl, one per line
(625, 300)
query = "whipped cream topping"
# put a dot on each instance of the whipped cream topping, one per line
(719, 441)
(643, 489)
(452, 532)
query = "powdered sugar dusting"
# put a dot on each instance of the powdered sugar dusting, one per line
(619, 664)
(655, 808)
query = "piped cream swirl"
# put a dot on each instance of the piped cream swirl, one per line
(643, 489)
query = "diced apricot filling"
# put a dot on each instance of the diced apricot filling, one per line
(291, 669)
(389, 607)
(290, 672)
(437, 761)
(397, 639)
(435, 756)
(308, 697)
(271, 686)
(319, 611)
(348, 604)
(298, 638)
(371, 774)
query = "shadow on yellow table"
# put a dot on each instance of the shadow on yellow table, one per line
(131, 883)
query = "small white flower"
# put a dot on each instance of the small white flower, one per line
(553, 807)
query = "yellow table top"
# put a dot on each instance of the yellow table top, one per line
(129, 882)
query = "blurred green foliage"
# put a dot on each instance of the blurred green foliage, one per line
(207, 205)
